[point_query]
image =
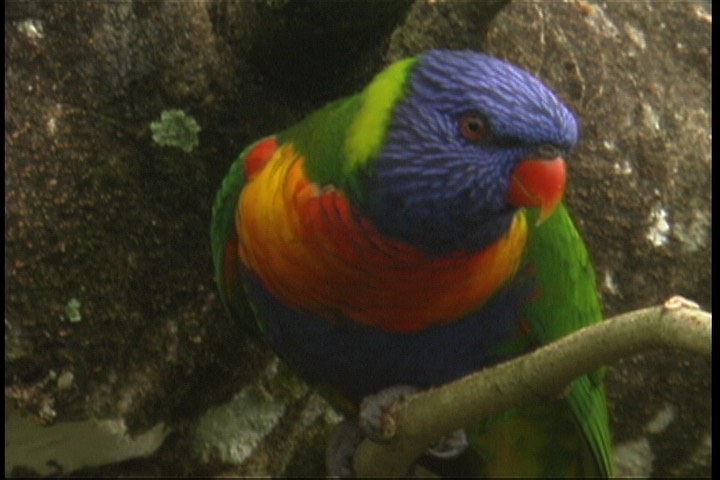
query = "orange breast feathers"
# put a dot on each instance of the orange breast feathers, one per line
(316, 253)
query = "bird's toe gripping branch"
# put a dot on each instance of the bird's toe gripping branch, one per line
(378, 422)
(376, 419)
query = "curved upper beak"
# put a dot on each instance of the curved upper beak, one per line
(538, 182)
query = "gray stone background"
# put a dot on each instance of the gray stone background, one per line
(143, 374)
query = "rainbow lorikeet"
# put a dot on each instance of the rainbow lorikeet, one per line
(414, 233)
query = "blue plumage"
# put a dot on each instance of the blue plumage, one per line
(357, 360)
(432, 187)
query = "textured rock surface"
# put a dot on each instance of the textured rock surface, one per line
(96, 212)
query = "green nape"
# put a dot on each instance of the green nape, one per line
(341, 138)
(367, 131)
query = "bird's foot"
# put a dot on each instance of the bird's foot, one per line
(376, 412)
(375, 421)
(378, 422)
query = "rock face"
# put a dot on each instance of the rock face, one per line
(111, 308)
(97, 213)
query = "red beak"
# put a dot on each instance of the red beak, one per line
(538, 183)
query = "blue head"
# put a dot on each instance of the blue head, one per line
(442, 177)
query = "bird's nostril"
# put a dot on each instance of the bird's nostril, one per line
(548, 151)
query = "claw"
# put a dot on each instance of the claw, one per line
(450, 446)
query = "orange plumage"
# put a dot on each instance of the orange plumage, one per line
(316, 253)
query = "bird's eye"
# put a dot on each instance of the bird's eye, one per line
(473, 126)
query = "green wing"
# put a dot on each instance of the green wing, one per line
(567, 302)
(541, 440)
(223, 240)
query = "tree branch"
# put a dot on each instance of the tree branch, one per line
(423, 418)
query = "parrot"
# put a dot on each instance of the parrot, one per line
(414, 233)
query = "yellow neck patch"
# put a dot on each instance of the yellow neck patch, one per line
(367, 132)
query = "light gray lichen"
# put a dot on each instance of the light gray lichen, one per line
(176, 129)
(72, 311)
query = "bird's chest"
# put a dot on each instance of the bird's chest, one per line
(317, 254)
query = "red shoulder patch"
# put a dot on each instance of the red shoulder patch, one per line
(258, 157)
